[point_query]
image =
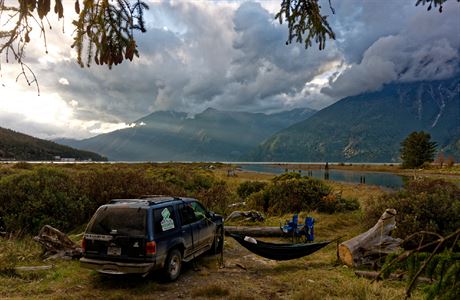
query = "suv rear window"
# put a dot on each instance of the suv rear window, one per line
(119, 220)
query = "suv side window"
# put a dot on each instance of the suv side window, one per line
(199, 210)
(164, 219)
(187, 214)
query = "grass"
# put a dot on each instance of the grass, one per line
(317, 276)
(211, 291)
(313, 277)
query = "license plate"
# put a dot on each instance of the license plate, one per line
(113, 251)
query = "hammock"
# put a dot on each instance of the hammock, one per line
(278, 251)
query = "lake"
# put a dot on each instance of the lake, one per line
(387, 180)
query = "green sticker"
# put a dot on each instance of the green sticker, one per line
(167, 223)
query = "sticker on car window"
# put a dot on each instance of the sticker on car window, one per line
(167, 223)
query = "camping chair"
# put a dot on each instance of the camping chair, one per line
(293, 228)
(309, 229)
(296, 230)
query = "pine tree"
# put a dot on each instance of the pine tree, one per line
(417, 149)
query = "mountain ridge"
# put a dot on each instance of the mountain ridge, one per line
(212, 135)
(19, 146)
(369, 127)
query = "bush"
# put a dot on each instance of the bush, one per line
(287, 176)
(217, 197)
(431, 205)
(335, 203)
(66, 197)
(292, 193)
(249, 187)
(30, 200)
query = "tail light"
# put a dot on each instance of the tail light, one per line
(83, 245)
(150, 248)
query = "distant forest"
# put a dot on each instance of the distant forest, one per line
(18, 146)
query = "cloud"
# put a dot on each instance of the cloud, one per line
(427, 49)
(193, 56)
(63, 81)
(232, 55)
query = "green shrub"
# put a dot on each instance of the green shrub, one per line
(217, 197)
(292, 193)
(332, 203)
(30, 200)
(431, 205)
(66, 197)
(287, 176)
(249, 187)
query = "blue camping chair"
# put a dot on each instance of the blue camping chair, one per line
(291, 227)
(309, 229)
(296, 230)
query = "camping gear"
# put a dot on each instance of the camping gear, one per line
(296, 230)
(278, 251)
(309, 230)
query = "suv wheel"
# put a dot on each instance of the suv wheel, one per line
(173, 265)
(218, 244)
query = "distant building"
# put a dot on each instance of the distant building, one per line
(68, 159)
(57, 157)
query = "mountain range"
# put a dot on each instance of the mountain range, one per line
(212, 135)
(370, 127)
(18, 146)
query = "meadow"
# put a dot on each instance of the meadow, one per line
(34, 195)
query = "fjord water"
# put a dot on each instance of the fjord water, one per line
(386, 180)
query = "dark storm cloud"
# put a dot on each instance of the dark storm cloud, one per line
(206, 54)
(358, 24)
(195, 56)
(264, 68)
(426, 49)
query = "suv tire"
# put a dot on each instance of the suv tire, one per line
(218, 243)
(173, 265)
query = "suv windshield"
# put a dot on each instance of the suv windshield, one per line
(118, 220)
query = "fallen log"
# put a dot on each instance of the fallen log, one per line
(252, 216)
(33, 268)
(370, 246)
(256, 231)
(57, 244)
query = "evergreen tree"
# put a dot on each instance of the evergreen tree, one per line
(417, 149)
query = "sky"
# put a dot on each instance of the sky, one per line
(229, 55)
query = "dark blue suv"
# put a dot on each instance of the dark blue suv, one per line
(142, 235)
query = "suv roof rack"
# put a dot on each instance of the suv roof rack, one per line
(150, 199)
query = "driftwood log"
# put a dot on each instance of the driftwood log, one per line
(256, 231)
(57, 244)
(252, 215)
(368, 247)
(33, 268)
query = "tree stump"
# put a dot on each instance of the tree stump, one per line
(370, 246)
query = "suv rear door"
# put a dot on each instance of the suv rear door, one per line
(117, 233)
